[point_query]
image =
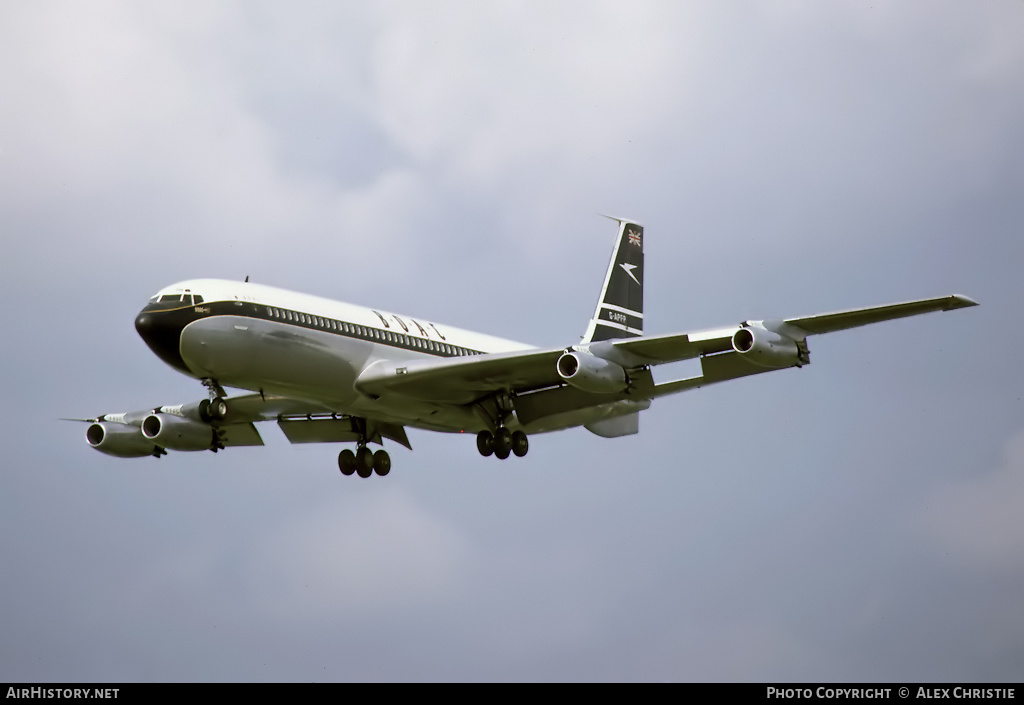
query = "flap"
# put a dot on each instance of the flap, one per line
(239, 434)
(340, 430)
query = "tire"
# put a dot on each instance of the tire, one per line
(502, 443)
(364, 462)
(381, 463)
(520, 444)
(218, 409)
(347, 462)
(485, 443)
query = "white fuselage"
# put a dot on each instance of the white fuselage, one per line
(284, 343)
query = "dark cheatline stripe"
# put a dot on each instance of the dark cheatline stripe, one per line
(164, 322)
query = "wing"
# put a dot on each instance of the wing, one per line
(841, 320)
(655, 350)
(532, 375)
(720, 361)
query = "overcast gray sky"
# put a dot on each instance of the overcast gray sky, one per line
(859, 519)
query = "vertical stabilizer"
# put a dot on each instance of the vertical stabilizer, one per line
(620, 308)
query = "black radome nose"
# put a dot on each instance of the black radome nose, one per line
(161, 331)
(144, 325)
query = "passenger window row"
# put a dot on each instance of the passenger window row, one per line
(369, 333)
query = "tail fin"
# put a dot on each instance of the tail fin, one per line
(620, 309)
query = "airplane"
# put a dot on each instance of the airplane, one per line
(328, 371)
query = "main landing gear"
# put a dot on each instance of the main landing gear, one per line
(502, 443)
(364, 462)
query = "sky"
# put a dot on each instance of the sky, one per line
(855, 520)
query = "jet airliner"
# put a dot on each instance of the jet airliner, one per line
(328, 371)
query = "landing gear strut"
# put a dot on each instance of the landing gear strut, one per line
(500, 443)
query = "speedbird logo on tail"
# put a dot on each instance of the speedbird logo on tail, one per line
(628, 268)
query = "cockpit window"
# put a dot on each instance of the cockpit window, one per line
(186, 299)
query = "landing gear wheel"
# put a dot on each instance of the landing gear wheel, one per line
(520, 444)
(218, 409)
(211, 411)
(381, 463)
(364, 462)
(485, 443)
(502, 443)
(347, 462)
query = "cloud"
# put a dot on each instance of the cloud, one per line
(355, 562)
(978, 519)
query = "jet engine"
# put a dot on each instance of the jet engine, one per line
(120, 440)
(766, 348)
(207, 410)
(178, 433)
(591, 374)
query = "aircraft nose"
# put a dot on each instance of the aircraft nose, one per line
(161, 331)
(144, 324)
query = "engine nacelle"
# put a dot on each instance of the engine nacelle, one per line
(206, 411)
(766, 348)
(178, 433)
(120, 440)
(591, 374)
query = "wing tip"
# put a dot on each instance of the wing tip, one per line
(960, 301)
